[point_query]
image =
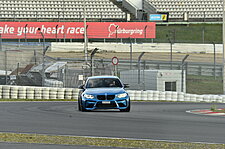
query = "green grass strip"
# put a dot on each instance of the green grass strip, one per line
(109, 142)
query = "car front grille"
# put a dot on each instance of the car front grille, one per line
(111, 105)
(106, 97)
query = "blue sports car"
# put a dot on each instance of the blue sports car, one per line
(103, 92)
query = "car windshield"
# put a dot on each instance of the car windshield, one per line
(103, 82)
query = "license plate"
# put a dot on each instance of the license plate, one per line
(105, 102)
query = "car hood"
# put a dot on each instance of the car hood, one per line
(103, 91)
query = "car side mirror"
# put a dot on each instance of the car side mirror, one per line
(81, 87)
(126, 86)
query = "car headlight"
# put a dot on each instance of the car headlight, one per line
(89, 96)
(123, 95)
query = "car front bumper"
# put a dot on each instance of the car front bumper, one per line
(92, 104)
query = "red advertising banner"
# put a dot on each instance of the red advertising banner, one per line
(75, 30)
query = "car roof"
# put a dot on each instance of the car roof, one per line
(94, 77)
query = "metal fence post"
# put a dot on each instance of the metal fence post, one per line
(6, 75)
(35, 57)
(139, 67)
(131, 52)
(65, 76)
(0, 42)
(182, 75)
(92, 61)
(214, 59)
(203, 35)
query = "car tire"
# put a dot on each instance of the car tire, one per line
(78, 104)
(81, 108)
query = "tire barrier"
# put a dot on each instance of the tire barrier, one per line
(61, 93)
(168, 96)
(156, 95)
(0, 91)
(174, 96)
(6, 92)
(149, 95)
(38, 93)
(180, 96)
(14, 92)
(30, 92)
(45, 93)
(22, 94)
(75, 93)
(68, 93)
(53, 93)
(131, 94)
(162, 96)
(137, 95)
(144, 95)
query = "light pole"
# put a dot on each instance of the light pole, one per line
(116, 33)
(44, 49)
(171, 54)
(25, 32)
(131, 52)
(43, 65)
(171, 50)
(146, 31)
(85, 34)
(56, 33)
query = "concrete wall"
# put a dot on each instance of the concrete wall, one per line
(144, 47)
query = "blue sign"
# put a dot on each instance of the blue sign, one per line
(155, 17)
(158, 17)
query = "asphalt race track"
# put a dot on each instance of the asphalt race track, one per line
(147, 120)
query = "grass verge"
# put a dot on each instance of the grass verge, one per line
(219, 110)
(204, 85)
(109, 142)
(215, 109)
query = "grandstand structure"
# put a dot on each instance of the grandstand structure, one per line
(109, 10)
(59, 10)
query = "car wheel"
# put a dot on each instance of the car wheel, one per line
(79, 108)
